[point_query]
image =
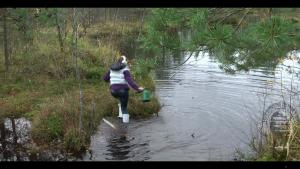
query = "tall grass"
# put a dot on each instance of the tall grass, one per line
(42, 87)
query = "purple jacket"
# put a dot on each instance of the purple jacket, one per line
(127, 77)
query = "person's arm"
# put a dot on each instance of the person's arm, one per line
(131, 82)
(106, 77)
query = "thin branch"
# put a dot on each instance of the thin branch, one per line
(240, 22)
(228, 15)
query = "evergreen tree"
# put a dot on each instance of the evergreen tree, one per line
(238, 38)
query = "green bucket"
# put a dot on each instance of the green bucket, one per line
(146, 96)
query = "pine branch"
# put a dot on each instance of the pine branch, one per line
(241, 20)
(228, 15)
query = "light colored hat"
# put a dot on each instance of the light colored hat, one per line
(124, 61)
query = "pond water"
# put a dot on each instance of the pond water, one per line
(207, 114)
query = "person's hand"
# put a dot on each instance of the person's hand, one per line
(141, 89)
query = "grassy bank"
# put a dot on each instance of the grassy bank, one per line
(41, 87)
(281, 147)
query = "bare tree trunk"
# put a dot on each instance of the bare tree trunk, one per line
(116, 15)
(85, 20)
(29, 30)
(2, 137)
(105, 15)
(142, 24)
(141, 27)
(108, 14)
(89, 16)
(74, 42)
(59, 32)
(15, 137)
(75, 56)
(61, 40)
(13, 125)
(112, 34)
(5, 40)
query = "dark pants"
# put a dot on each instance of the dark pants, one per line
(122, 95)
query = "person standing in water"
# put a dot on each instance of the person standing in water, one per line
(120, 79)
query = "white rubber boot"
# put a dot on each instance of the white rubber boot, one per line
(125, 118)
(120, 111)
